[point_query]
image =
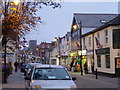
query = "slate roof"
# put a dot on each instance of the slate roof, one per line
(113, 22)
(91, 20)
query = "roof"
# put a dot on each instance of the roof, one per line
(47, 66)
(115, 21)
(91, 20)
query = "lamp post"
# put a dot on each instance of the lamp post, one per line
(38, 50)
(38, 53)
(80, 40)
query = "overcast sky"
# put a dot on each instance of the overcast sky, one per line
(58, 21)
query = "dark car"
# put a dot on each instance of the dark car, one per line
(29, 67)
(23, 68)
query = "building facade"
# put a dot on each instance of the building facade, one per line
(32, 46)
(105, 44)
(43, 49)
(84, 24)
(65, 48)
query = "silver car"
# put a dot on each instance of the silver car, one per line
(50, 77)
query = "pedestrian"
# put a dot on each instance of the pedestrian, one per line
(16, 65)
(71, 64)
(85, 68)
(92, 67)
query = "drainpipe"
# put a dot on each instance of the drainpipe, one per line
(93, 49)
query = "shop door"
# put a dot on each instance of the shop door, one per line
(117, 67)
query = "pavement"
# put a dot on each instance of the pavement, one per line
(15, 81)
(90, 81)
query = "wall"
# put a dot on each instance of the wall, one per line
(113, 52)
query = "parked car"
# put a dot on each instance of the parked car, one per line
(22, 68)
(29, 67)
(50, 77)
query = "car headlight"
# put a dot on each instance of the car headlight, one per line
(32, 81)
(73, 86)
(37, 86)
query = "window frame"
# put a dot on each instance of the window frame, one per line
(107, 61)
(89, 41)
(106, 36)
(99, 62)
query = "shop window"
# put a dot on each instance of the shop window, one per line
(99, 61)
(107, 58)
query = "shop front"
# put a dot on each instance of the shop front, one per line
(117, 67)
(90, 61)
(104, 61)
(76, 61)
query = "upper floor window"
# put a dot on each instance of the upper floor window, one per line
(106, 36)
(84, 43)
(98, 36)
(89, 42)
(43, 46)
(48, 46)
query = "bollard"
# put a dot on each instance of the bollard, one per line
(96, 74)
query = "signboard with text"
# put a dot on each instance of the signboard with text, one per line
(102, 51)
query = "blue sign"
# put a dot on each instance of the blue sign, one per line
(3, 65)
(10, 60)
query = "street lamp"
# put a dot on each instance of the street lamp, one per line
(80, 40)
(31, 53)
(16, 2)
(38, 49)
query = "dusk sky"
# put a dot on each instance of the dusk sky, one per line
(57, 22)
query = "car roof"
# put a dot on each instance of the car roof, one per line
(33, 63)
(47, 66)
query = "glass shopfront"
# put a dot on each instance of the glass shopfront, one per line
(76, 61)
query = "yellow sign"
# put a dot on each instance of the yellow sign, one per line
(118, 63)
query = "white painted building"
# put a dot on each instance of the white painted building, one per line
(65, 48)
(55, 53)
(103, 48)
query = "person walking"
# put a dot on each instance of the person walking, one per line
(85, 68)
(16, 65)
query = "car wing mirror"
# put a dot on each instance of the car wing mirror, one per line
(73, 78)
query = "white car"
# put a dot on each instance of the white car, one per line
(50, 77)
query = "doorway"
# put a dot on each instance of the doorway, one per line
(117, 67)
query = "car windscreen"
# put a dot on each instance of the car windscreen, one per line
(51, 74)
(27, 66)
